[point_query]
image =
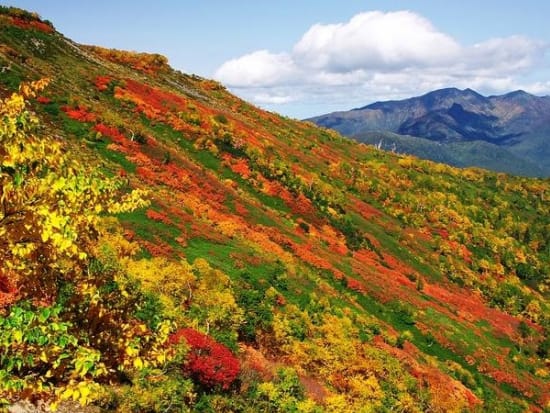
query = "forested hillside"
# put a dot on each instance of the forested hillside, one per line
(166, 246)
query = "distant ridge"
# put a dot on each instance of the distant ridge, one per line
(516, 126)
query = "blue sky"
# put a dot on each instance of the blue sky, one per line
(302, 58)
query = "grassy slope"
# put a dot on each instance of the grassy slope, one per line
(427, 253)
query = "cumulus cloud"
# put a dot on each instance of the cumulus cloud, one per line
(377, 55)
(259, 69)
(376, 41)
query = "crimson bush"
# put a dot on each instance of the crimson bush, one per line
(209, 362)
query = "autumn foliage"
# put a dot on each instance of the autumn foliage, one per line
(149, 63)
(79, 113)
(25, 20)
(49, 231)
(210, 362)
(32, 24)
(362, 279)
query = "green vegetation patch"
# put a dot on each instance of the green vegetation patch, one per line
(114, 156)
(147, 228)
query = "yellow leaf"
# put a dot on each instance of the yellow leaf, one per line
(67, 393)
(138, 363)
(17, 336)
(161, 358)
(45, 235)
(84, 393)
(131, 351)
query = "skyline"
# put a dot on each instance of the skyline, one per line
(306, 59)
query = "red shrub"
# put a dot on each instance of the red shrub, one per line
(355, 285)
(280, 300)
(241, 210)
(102, 82)
(79, 113)
(158, 99)
(112, 132)
(158, 216)
(146, 174)
(43, 99)
(208, 361)
(32, 24)
(241, 167)
(157, 248)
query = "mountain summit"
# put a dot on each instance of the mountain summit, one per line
(516, 126)
(167, 247)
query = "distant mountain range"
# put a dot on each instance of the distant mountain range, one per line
(508, 133)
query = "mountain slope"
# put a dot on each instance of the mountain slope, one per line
(301, 270)
(459, 154)
(516, 125)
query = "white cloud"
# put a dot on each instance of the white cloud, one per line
(258, 69)
(377, 56)
(375, 40)
(276, 99)
(507, 55)
(538, 88)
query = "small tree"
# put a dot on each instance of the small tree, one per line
(63, 331)
(49, 203)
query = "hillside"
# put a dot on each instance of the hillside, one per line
(166, 246)
(514, 127)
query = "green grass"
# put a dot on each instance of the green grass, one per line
(218, 255)
(10, 78)
(147, 228)
(167, 134)
(390, 244)
(52, 108)
(258, 216)
(73, 127)
(81, 130)
(262, 275)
